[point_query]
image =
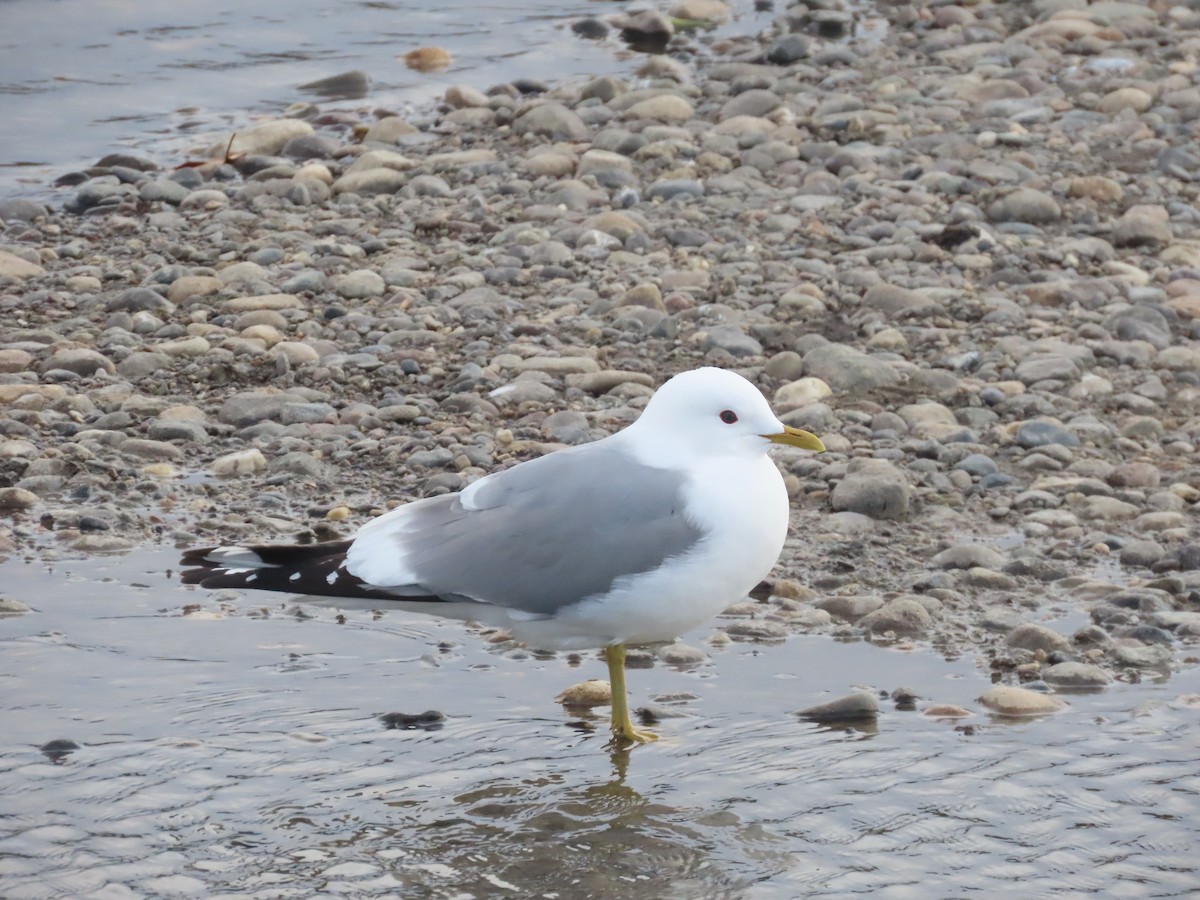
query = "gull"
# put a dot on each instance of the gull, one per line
(632, 539)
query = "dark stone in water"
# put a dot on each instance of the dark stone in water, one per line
(71, 179)
(530, 86)
(1147, 634)
(788, 50)
(352, 85)
(854, 707)
(430, 720)
(58, 750)
(128, 161)
(592, 29)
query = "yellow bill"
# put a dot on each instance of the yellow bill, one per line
(794, 437)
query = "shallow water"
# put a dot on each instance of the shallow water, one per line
(82, 78)
(234, 751)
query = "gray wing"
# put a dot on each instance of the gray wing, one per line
(541, 535)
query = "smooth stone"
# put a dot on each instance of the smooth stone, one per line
(1143, 225)
(680, 654)
(873, 487)
(1076, 675)
(1025, 205)
(669, 188)
(1141, 553)
(663, 108)
(190, 347)
(208, 198)
(13, 266)
(1042, 433)
(177, 431)
(359, 285)
(193, 286)
(1151, 657)
(967, 556)
(800, 393)
(602, 382)
(373, 160)
(977, 464)
(140, 364)
(371, 182)
(11, 607)
(520, 392)
(351, 85)
(849, 524)
(1031, 636)
(265, 139)
(787, 50)
(732, 340)
(148, 449)
(18, 209)
(853, 707)
(902, 616)
(756, 630)
(80, 360)
(240, 462)
(1096, 187)
(296, 353)
(12, 361)
(462, 96)
(1043, 368)
(851, 608)
(1016, 701)
(645, 295)
(251, 407)
(756, 103)
(946, 711)
(83, 284)
(1125, 98)
(1103, 509)
(557, 365)
(163, 190)
(586, 694)
(17, 498)
(262, 301)
(389, 130)
(101, 543)
(848, 370)
(552, 120)
(701, 10)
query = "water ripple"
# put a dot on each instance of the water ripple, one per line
(252, 761)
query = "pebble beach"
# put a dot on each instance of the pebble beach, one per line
(962, 245)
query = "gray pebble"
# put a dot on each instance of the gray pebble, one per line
(853, 707)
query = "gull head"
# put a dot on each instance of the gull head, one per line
(712, 412)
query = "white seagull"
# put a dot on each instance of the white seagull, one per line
(633, 539)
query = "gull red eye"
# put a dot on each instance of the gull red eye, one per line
(728, 416)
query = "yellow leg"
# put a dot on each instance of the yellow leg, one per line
(622, 725)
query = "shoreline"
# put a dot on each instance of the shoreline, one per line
(967, 256)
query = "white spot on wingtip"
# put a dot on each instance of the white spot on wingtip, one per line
(332, 577)
(295, 576)
(250, 578)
